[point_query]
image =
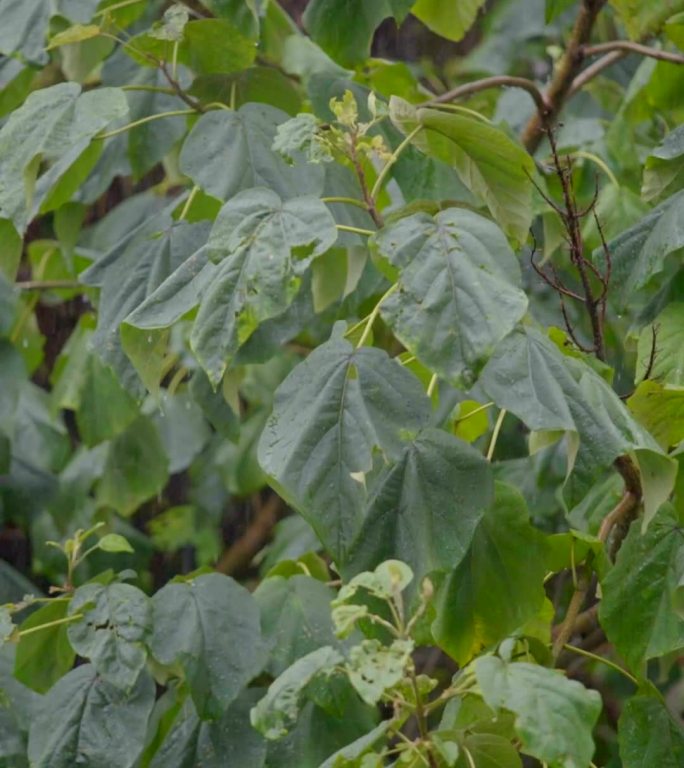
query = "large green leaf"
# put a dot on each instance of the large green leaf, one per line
(459, 289)
(43, 657)
(54, 126)
(529, 376)
(651, 566)
(424, 509)
(209, 627)
(448, 19)
(640, 253)
(331, 412)
(116, 623)
(644, 19)
(295, 618)
(17, 709)
(76, 724)
(345, 28)
(229, 151)
(554, 716)
(228, 740)
(497, 586)
(648, 735)
(263, 246)
(661, 410)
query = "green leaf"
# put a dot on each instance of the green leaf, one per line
(274, 714)
(136, 468)
(661, 410)
(54, 126)
(230, 739)
(228, 151)
(345, 28)
(205, 51)
(46, 655)
(24, 27)
(329, 414)
(554, 716)
(209, 627)
(664, 168)
(649, 565)
(357, 748)
(75, 34)
(116, 623)
(260, 84)
(459, 289)
(447, 19)
(666, 332)
(262, 245)
(497, 586)
(530, 377)
(17, 709)
(639, 254)
(114, 542)
(644, 19)
(648, 736)
(295, 618)
(374, 668)
(492, 166)
(489, 750)
(75, 722)
(555, 8)
(182, 429)
(424, 509)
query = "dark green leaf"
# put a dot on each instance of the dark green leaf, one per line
(209, 626)
(459, 289)
(649, 736)
(330, 413)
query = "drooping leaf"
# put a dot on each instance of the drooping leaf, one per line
(459, 289)
(555, 716)
(262, 245)
(649, 565)
(75, 723)
(344, 28)
(329, 414)
(295, 618)
(44, 656)
(529, 376)
(228, 740)
(116, 624)
(227, 152)
(54, 126)
(648, 735)
(209, 626)
(497, 585)
(450, 20)
(425, 508)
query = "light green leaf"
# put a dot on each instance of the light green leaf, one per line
(661, 410)
(277, 710)
(651, 566)
(424, 509)
(75, 34)
(345, 28)
(295, 618)
(114, 542)
(228, 740)
(530, 377)
(263, 246)
(648, 736)
(43, 657)
(54, 126)
(554, 716)
(374, 668)
(498, 584)
(459, 289)
(228, 151)
(75, 722)
(447, 19)
(172, 24)
(664, 168)
(116, 624)
(329, 414)
(136, 468)
(209, 627)
(357, 748)
(667, 333)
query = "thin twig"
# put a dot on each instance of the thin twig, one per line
(178, 90)
(627, 46)
(595, 69)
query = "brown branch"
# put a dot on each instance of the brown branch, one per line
(627, 47)
(178, 90)
(499, 81)
(566, 628)
(365, 192)
(568, 67)
(239, 555)
(595, 69)
(623, 508)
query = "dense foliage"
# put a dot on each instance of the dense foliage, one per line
(341, 397)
